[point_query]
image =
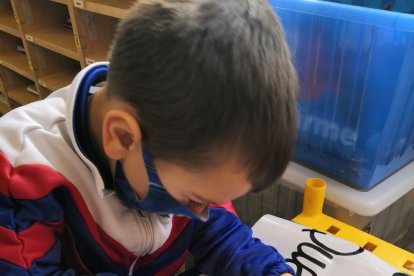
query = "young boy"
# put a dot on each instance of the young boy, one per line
(197, 109)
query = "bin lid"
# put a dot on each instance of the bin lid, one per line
(363, 203)
(368, 16)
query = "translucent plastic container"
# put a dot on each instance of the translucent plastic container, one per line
(406, 6)
(356, 70)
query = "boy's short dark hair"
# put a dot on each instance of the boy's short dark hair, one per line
(208, 75)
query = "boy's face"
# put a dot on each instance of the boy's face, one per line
(195, 189)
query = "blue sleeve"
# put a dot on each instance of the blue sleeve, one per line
(224, 246)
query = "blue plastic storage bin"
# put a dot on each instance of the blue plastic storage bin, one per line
(356, 71)
(405, 6)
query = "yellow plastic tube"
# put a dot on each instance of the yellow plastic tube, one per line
(314, 197)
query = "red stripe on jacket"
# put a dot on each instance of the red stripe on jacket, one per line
(172, 268)
(29, 244)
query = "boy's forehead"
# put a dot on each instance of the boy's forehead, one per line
(217, 185)
(227, 171)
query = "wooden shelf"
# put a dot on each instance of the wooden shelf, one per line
(8, 24)
(57, 80)
(57, 39)
(100, 56)
(22, 96)
(17, 62)
(64, 2)
(3, 96)
(4, 106)
(2, 90)
(114, 8)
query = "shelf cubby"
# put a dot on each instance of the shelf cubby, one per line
(13, 59)
(53, 70)
(8, 22)
(43, 23)
(2, 90)
(15, 86)
(4, 103)
(57, 80)
(96, 32)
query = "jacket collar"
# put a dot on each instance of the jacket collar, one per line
(77, 122)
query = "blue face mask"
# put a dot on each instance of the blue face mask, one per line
(157, 200)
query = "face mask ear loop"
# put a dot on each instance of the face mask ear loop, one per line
(121, 164)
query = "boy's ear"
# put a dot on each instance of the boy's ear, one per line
(120, 135)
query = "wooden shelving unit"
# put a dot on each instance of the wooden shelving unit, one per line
(56, 38)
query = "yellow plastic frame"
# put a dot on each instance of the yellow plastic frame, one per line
(312, 216)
